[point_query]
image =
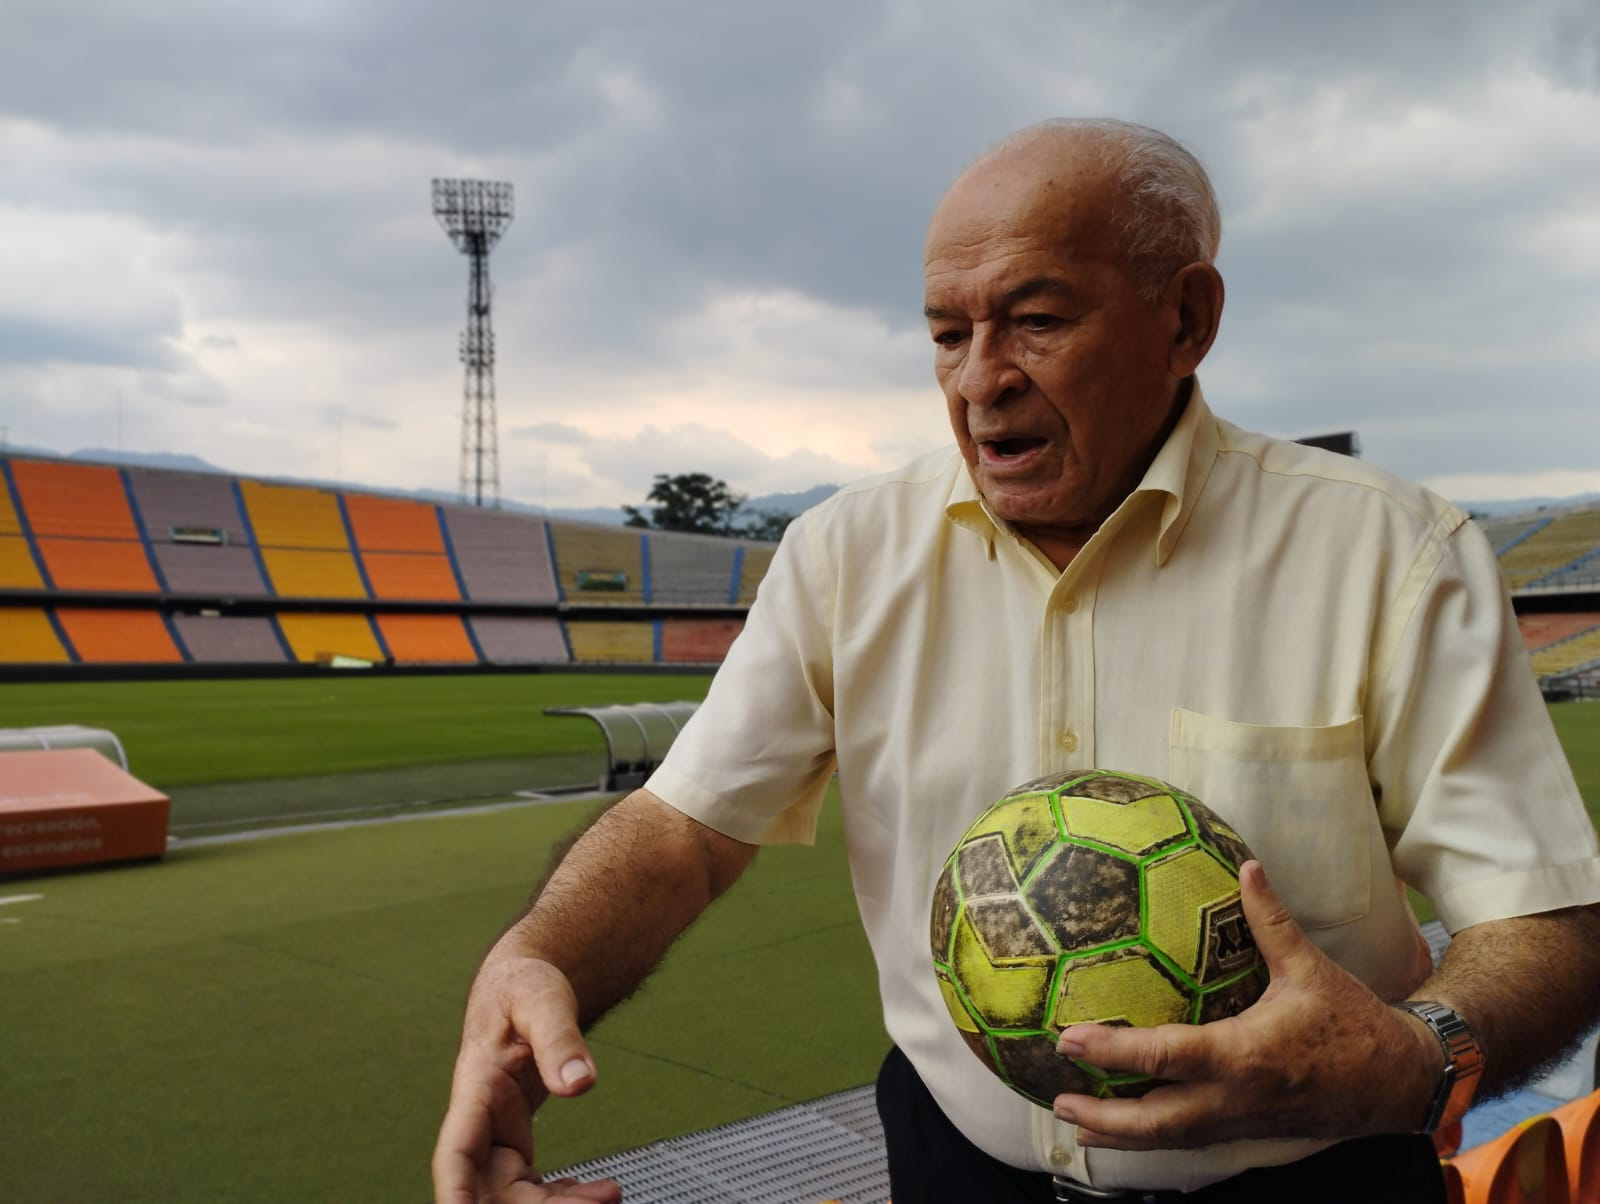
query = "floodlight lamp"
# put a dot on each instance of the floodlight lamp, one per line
(472, 212)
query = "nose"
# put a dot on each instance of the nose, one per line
(989, 371)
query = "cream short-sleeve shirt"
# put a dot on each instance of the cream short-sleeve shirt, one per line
(1321, 652)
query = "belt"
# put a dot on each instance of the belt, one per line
(1068, 1192)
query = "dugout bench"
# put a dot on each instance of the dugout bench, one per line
(637, 734)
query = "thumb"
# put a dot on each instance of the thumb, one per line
(1283, 943)
(545, 1015)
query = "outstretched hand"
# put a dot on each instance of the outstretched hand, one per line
(520, 1044)
(1306, 1060)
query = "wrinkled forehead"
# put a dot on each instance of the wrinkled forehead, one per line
(1056, 197)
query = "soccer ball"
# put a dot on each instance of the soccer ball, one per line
(1090, 896)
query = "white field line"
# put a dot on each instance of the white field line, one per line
(19, 899)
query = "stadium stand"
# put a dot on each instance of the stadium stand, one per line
(303, 541)
(108, 637)
(230, 639)
(27, 637)
(501, 557)
(520, 639)
(427, 639)
(1505, 533)
(196, 532)
(401, 546)
(753, 564)
(1540, 630)
(1564, 540)
(1571, 653)
(315, 638)
(599, 565)
(698, 641)
(691, 569)
(18, 569)
(611, 642)
(83, 526)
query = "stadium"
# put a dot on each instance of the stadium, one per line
(367, 679)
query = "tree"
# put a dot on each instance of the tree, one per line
(766, 524)
(688, 501)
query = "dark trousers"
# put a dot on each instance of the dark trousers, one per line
(930, 1162)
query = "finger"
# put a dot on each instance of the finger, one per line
(463, 1142)
(606, 1190)
(546, 1016)
(1166, 1051)
(1283, 943)
(1165, 1118)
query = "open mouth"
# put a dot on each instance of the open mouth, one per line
(1011, 449)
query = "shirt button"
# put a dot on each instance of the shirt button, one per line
(1069, 740)
(1060, 1158)
(1070, 605)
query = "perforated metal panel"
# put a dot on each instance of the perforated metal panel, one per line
(828, 1149)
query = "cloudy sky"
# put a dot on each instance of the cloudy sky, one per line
(215, 234)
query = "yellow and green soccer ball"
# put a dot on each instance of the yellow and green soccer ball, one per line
(1091, 896)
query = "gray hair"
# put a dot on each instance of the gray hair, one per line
(1168, 215)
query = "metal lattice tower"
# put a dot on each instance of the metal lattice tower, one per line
(474, 213)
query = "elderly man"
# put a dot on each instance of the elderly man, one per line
(1102, 573)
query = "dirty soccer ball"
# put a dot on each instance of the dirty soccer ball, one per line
(1091, 896)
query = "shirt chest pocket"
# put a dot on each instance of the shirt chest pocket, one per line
(1300, 798)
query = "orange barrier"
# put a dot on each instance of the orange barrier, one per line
(71, 806)
(27, 638)
(1580, 1139)
(383, 524)
(83, 501)
(1525, 1165)
(439, 639)
(118, 636)
(292, 516)
(318, 637)
(297, 573)
(410, 575)
(117, 565)
(17, 569)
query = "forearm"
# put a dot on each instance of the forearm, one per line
(1529, 987)
(635, 880)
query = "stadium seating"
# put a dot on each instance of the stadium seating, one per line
(599, 565)
(519, 639)
(315, 638)
(229, 639)
(698, 641)
(753, 567)
(303, 541)
(501, 557)
(18, 570)
(1565, 539)
(611, 642)
(197, 533)
(695, 570)
(110, 637)
(83, 527)
(1542, 629)
(1570, 653)
(427, 639)
(29, 638)
(1505, 533)
(401, 546)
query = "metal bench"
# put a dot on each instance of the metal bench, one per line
(637, 734)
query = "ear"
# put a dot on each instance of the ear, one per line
(1196, 294)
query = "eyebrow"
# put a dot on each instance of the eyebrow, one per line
(1022, 292)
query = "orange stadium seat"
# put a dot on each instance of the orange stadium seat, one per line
(17, 568)
(27, 638)
(698, 641)
(116, 565)
(292, 516)
(301, 573)
(436, 639)
(84, 501)
(317, 637)
(392, 525)
(1525, 1165)
(118, 636)
(415, 575)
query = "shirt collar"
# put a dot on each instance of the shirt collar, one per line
(1179, 472)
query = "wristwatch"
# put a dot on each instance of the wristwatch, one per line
(1463, 1062)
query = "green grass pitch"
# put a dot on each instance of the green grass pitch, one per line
(276, 1019)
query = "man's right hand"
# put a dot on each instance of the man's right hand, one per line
(520, 1043)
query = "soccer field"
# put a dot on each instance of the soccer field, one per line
(275, 1019)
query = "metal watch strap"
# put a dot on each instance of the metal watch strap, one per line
(1463, 1061)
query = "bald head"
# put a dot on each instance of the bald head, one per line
(1159, 210)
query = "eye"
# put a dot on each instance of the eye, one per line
(949, 338)
(1038, 322)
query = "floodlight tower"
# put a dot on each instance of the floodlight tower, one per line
(474, 213)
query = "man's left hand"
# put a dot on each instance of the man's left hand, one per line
(1318, 1055)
